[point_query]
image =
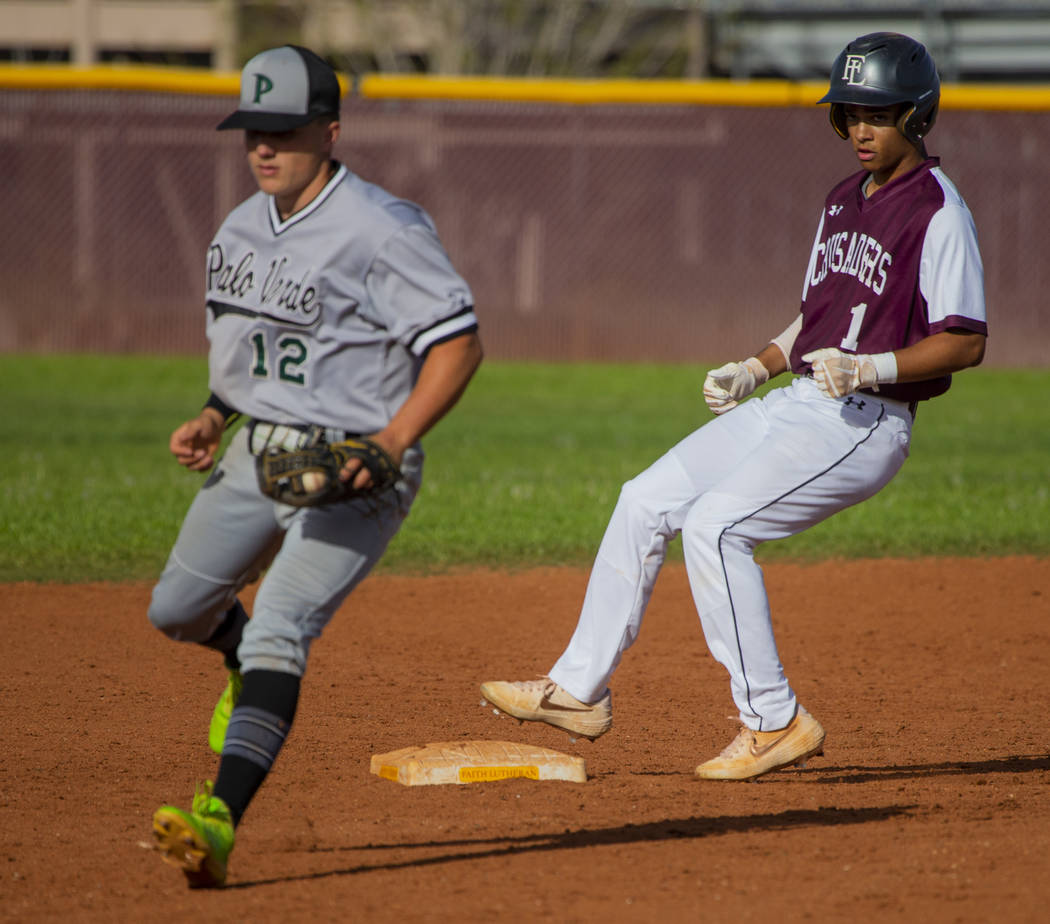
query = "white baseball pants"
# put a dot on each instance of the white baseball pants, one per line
(767, 469)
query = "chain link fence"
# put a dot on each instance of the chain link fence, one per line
(587, 232)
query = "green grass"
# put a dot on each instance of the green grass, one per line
(524, 472)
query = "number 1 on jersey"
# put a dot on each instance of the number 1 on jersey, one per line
(852, 338)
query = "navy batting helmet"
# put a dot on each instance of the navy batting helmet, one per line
(885, 69)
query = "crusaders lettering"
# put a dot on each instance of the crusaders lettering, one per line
(855, 255)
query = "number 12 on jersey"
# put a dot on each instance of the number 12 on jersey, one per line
(291, 354)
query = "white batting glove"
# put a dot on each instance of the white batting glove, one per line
(838, 374)
(727, 385)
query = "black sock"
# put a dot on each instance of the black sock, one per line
(228, 636)
(258, 728)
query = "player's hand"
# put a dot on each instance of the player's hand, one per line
(196, 442)
(727, 385)
(356, 472)
(838, 374)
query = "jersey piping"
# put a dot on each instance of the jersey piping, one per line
(463, 322)
(277, 224)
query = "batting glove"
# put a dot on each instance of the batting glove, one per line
(838, 374)
(727, 385)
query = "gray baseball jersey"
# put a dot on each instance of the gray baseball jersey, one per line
(325, 318)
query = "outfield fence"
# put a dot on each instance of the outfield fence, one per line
(619, 221)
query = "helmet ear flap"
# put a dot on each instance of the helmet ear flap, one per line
(837, 115)
(914, 127)
(905, 125)
(922, 129)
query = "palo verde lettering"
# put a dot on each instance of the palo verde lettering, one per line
(229, 278)
(286, 292)
(278, 289)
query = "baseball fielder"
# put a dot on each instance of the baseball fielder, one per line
(332, 312)
(892, 304)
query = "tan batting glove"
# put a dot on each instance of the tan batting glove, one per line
(838, 374)
(727, 385)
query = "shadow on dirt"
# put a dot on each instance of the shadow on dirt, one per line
(918, 771)
(670, 829)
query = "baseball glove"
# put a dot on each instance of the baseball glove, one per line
(309, 477)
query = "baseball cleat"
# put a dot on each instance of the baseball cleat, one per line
(751, 754)
(544, 701)
(220, 718)
(199, 841)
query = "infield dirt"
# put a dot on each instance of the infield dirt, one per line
(931, 802)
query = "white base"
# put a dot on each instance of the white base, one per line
(476, 762)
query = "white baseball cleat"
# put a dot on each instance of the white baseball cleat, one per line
(544, 701)
(751, 753)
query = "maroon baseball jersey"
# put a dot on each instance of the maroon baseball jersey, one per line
(890, 270)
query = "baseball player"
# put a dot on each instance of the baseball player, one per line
(892, 304)
(332, 311)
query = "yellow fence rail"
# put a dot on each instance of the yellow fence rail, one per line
(993, 97)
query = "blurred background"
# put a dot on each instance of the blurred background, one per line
(793, 39)
(664, 228)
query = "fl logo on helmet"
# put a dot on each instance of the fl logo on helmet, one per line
(852, 70)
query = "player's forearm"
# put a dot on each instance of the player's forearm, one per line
(446, 372)
(773, 359)
(214, 417)
(838, 373)
(939, 354)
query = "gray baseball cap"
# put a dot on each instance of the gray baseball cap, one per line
(283, 88)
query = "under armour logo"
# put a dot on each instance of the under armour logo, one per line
(263, 85)
(851, 72)
(835, 209)
(853, 401)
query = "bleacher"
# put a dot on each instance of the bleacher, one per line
(796, 39)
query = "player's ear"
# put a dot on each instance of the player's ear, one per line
(332, 133)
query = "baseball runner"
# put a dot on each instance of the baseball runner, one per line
(340, 331)
(892, 304)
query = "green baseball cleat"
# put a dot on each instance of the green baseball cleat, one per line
(220, 718)
(197, 842)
